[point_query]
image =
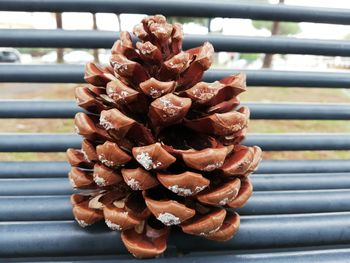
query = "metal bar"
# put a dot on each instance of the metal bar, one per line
(105, 39)
(267, 167)
(297, 142)
(277, 231)
(35, 186)
(302, 181)
(36, 208)
(261, 182)
(36, 142)
(38, 108)
(275, 111)
(33, 169)
(290, 111)
(303, 255)
(59, 142)
(294, 202)
(186, 8)
(303, 166)
(75, 74)
(57, 238)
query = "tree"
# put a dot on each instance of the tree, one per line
(59, 51)
(119, 23)
(197, 20)
(286, 28)
(276, 28)
(94, 27)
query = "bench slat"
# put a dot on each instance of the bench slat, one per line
(75, 73)
(56, 238)
(303, 255)
(261, 182)
(28, 208)
(60, 238)
(105, 39)
(274, 111)
(187, 8)
(42, 142)
(60, 169)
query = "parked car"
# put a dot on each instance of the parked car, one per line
(50, 57)
(72, 57)
(9, 55)
(78, 56)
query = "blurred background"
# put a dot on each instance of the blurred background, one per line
(228, 60)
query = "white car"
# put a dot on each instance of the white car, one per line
(50, 57)
(78, 57)
(73, 57)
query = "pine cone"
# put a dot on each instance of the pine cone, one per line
(161, 147)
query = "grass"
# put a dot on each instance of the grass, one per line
(310, 126)
(258, 94)
(33, 156)
(36, 125)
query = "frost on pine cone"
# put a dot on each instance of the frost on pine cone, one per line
(161, 147)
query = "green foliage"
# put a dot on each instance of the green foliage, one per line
(183, 20)
(286, 28)
(249, 56)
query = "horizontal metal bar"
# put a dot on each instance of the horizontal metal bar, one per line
(261, 182)
(30, 208)
(75, 73)
(301, 181)
(57, 238)
(279, 231)
(186, 8)
(304, 255)
(66, 237)
(34, 169)
(293, 202)
(26, 142)
(105, 39)
(303, 166)
(296, 142)
(35, 208)
(60, 169)
(59, 142)
(35, 186)
(38, 108)
(289, 111)
(275, 111)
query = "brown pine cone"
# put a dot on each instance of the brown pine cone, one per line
(161, 147)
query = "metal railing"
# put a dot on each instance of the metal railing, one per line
(75, 73)
(194, 8)
(298, 205)
(105, 39)
(268, 111)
